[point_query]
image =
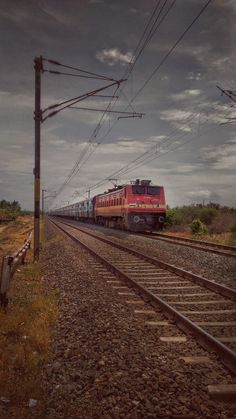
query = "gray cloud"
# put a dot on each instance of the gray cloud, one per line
(182, 105)
(113, 56)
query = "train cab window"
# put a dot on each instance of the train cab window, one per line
(138, 189)
(153, 190)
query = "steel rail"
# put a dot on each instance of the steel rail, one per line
(216, 248)
(207, 341)
(207, 283)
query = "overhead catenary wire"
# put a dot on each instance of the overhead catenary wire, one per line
(147, 156)
(160, 64)
(152, 158)
(150, 33)
(166, 55)
(124, 170)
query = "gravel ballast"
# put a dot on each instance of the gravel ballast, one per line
(221, 269)
(107, 362)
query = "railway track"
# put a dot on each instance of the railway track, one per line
(205, 246)
(198, 306)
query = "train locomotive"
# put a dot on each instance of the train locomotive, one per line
(139, 206)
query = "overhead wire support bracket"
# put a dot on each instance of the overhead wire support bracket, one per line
(76, 100)
(140, 115)
(130, 114)
(74, 75)
(54, 62)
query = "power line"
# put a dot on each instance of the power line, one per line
(172, 49)
(169, 52)
(146, 157)
(155, 70)
(78, 165)
(153, 29)
(124, 170)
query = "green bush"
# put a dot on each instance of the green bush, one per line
(218, 219)
(198, 228)
(171, 216)
(9, 210)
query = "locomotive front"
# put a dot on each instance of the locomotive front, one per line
(146, 207)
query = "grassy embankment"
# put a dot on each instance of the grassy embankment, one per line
(210, 222)
(25, 330)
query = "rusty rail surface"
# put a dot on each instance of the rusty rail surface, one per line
(9, 265)
(206, 340)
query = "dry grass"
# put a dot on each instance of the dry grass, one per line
(25, 335)
(13, 234)
(221, 238)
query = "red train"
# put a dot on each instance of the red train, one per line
(136, 207)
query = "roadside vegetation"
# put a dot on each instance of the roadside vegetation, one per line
(9, 211)
(210, 221)
(26, 328)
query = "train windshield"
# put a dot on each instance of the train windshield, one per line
(146, 190)
(153, 190)
(137, 189)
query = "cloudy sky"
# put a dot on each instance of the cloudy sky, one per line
(179, 142)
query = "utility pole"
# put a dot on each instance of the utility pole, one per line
(40, 116)
(38, 66)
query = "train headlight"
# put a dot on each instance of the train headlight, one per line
(161, 219)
